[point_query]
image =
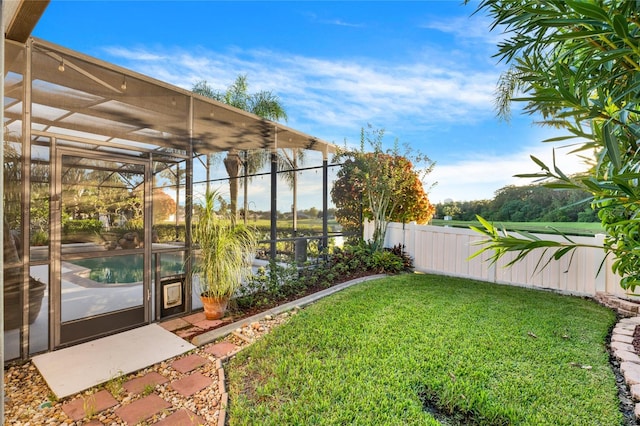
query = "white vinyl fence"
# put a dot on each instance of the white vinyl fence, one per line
(446, 251)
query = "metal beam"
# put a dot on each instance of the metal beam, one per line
(21, 18)
(274, 204)
(2, 17)
(325, 201)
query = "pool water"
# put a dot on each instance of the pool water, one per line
(127, 269)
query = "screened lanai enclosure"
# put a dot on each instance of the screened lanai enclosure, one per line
(102, 170)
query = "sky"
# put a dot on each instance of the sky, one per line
(422, 71)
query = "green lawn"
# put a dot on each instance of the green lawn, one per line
(376, 353)
(570, 228)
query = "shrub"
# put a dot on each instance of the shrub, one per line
(387, 261)
(278, 282)
(75, 226)
(170, 232)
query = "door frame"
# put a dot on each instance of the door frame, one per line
(119, 320)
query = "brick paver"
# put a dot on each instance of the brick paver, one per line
(142, 409)
(620, 346)
(207, 324)
(189, 385)
(622, 338)
(138, 384)
(88, 405)
(194, 318)
(627, 330)
(174, 324)
(627, 356)
(631, 372)
(188, 363)
(182, 418)
(187, 333)
(221, 349)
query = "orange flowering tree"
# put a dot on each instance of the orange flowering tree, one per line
(380, 185)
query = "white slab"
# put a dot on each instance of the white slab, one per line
(74, 369)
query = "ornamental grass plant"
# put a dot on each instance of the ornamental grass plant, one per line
(225, 250)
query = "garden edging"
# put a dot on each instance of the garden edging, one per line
(217, 333)
(621, 344)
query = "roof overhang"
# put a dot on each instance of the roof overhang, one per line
(19, 17)
(82, 97)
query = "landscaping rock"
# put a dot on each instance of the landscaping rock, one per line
(635, 392)
(626, 356)
(631, 372)
(620, 346)
(622, 338)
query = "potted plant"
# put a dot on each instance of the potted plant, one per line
(224, 258)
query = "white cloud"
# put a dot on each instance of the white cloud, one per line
(467, 29)
(337, 94)
(333, 99)
(341, 23)
(478, 178)
(141, 54)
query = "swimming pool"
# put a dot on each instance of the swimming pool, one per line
(124, 269)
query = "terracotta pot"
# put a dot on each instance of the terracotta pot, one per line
(214, 307)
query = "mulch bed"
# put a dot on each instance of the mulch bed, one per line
(235, 313)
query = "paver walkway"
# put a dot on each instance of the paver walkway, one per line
(186, 390)
(150, 395)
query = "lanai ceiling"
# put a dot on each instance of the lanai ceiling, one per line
(80, 97)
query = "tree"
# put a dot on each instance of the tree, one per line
(380, 185)
(289, 160)
(263, 104)
(163, 206)
(451, 209)
(576, 64)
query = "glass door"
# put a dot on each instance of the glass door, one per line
(101, 206)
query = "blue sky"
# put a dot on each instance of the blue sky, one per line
(421, 70)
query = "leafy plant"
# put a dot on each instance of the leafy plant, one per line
(39, 238)
(277, 282)
(269, 284)
(148, 389)
(226, 250)
(74, 226)
(576, 64)
(386, 261)
(407, 261)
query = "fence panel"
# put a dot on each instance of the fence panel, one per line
(447, 251)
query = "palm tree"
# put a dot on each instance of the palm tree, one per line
(263, 104)
(290, 160)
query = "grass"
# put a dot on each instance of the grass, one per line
(569, 228)
(392, 351)
(115, 384)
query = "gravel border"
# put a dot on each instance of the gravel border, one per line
(29, 402)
